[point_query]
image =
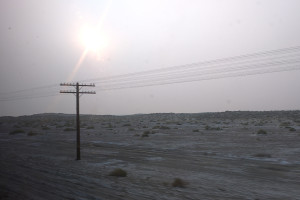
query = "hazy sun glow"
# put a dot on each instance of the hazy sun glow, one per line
(93, 40)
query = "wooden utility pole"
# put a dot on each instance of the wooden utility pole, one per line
(77, 92)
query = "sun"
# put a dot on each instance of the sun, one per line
(93, 40)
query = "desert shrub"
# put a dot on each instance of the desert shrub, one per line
(196, 130)
(27, 124)
(261, 131)
(69, 124)
(178, 183)
(45, 128)
(59, 126)
(165, 184)
(118, 173)
(90, 127)
(16, 131)
(262, 155)
(146, 134)
(131, 129)
(17, 126)
(285, 124)
(30, 133)
(261, 123)
(161, 127)
(69, 129)
(292, 129)
(126, 124)
(209, 128)
(109, 126)
(164, 127)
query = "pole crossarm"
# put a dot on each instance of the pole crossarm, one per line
(87, 92)
(74, 92)
(77, 92)
(66, 91)
(75, 84)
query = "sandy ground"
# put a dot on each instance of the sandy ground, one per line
(216, 155)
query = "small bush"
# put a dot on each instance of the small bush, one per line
(261, 132)
(68, 124)
(165, 184)
(127, 125)
(146, 134)
(90, 127)
(59, 126)
(209, 128)
(110, 126)
(45, 128)
(283, 124)
(161, 127)
(292, 129)
(196, 130)
(164, 127)
(178, 183)
(118, 173)
(262, 155)
(31, 133)
(69, 129)
(16, 131)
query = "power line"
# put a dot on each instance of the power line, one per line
(295, 49)
(29, 97)
(179, 74)
(249, 64)
(30, 89)
(217, 76)
(282, 51)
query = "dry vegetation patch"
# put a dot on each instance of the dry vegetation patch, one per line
(179, 183)
(16, 131)
(118, 173)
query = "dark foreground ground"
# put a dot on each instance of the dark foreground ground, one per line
(231, 155)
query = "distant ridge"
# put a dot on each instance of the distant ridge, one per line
(225, 114)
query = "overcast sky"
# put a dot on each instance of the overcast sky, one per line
(48, 42)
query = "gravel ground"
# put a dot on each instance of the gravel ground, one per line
(229, 155)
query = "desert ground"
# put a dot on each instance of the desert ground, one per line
(228, 155)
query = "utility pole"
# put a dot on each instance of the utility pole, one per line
(77, 92)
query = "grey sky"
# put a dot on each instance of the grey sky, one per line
(41, 45)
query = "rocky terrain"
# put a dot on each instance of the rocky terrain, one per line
(229, 155)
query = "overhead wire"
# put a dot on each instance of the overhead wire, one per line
(295, 49)
(214, 76)
(223, 68)
(200, 71)
(286, 59)
(30, 97)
